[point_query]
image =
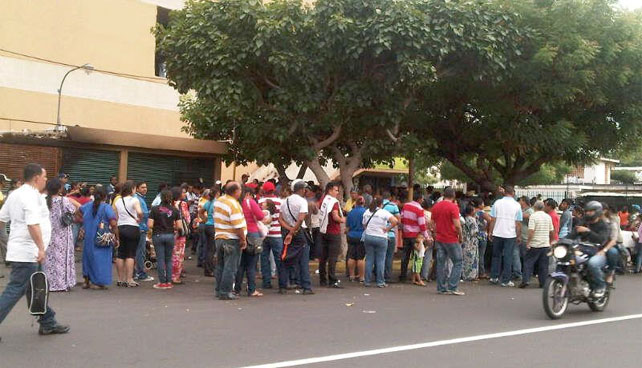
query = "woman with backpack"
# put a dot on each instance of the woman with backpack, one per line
(59, 265)
(97, 258)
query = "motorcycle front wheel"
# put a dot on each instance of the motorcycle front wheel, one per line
(555, 300)
(600, 304)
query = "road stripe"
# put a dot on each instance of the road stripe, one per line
(396, 349)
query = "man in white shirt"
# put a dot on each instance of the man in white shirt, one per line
(30, 234)
(505, 227)
(296, 250)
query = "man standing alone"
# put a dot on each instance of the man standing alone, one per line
(505, 227)
(30, 234)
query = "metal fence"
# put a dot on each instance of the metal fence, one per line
(558, 195)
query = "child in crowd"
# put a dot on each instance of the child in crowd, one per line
(417, 260)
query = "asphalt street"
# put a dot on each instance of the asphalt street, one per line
(187, 327)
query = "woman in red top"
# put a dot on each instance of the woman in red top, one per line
(253, 214)
(624, 217)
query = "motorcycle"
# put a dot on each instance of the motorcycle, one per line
(570, 282)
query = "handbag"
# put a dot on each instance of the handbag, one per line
(38, 293)
(104, 237)
(184, 230)
(255, 245)
(66, 218)
(363, 235)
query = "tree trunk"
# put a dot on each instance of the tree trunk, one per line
(283, 177)
(319, 172)
(411, 178)
(348, 165)
(302, 171)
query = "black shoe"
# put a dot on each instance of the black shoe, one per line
(523, 285)
(308, 292)
(336, 285)
(55, 330)
(283, 291)
(229, 297)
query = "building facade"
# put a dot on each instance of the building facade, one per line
(121, 118)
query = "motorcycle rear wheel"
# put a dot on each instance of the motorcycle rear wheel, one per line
(600, 305)
(555, 304)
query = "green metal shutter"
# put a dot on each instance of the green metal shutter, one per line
(91, 166)
(156, 169)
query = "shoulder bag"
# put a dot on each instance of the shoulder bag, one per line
(66, 218)
(184, 230)
(255, 245)
(104, 237)
(363, 235)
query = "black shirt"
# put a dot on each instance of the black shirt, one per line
(599, 233)
(164, 219)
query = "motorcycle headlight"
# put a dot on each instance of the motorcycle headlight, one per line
(560, 252)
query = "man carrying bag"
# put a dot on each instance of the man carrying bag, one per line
(296, 251)
(28, 240)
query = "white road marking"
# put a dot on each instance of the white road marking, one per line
(396, 349)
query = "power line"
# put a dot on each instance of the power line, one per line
(126, 75)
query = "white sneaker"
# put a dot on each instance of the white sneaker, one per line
(457, 292)
(508, 284)
(148, 278)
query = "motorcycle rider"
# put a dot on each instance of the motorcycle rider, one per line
(594, 229)
(615, 238)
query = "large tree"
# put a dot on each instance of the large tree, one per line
(568, 91)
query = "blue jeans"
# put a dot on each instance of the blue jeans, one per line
(75, 230)
(201, 245)
(16, 289)
(390, 256)
(140, 256)
(502, 248)
(228, 256)
(596, 265)
(376, 248)
(300, 264)
(275, 246)
(164, 245)
(517, 261)
(425, 267)
(638, 257)
(454, 252)
(539, 257)
(247, 266)
(483, 242)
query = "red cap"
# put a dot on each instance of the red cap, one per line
(251, 185)
(268, 187)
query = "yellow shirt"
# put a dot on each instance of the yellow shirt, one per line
(349, 205)
(228, 217)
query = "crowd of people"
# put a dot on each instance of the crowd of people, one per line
(238, 228)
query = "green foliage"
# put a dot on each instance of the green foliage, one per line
(624, 177)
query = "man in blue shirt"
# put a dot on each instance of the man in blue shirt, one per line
(392, 241)
(141, 275)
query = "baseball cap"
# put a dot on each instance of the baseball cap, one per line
(251, 185)
(298, 184)
(268, 187)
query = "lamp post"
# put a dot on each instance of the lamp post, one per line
(88, 68)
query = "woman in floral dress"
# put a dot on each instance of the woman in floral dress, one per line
(179, 244)
(470, 245)
(59, 265)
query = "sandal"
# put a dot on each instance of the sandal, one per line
(419, 284)
(256, 294)
(98, 287)
(132, 284)
(121, 284)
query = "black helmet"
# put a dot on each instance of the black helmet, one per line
(593, 206)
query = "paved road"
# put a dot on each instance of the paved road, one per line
(187, 327)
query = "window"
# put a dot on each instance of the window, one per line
(162, 17)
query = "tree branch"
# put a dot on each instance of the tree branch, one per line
(318, 146)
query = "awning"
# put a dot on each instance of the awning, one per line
(157, 142)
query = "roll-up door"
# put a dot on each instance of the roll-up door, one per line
(91, 166)
(156, 169)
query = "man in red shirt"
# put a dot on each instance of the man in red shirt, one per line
(550, 207)
(331, 220)
(448, 238)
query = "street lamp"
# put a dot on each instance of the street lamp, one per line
(88, 68)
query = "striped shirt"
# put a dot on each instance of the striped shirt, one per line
(228, 216)
(275, 226)
(413, 220)
(542, 225)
